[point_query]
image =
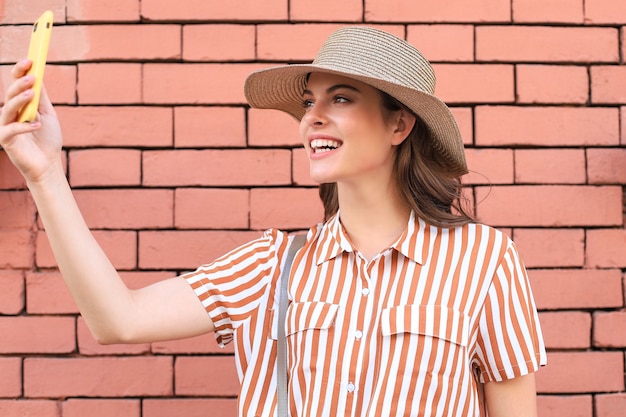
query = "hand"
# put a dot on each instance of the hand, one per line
(34, 148)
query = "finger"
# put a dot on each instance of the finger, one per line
(18, 86)
(13, 105)
(8, 132)
(21, 68)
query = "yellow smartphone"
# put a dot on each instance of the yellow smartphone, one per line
(37, 53)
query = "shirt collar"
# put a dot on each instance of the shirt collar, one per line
(333, 240)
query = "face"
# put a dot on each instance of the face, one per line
(345, 133)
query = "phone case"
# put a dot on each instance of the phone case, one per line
(37, 53)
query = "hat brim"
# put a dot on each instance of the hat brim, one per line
(281, 88)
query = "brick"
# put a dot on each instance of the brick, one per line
(88, 346)
(565, 405)
(191, 376)
(196, 83)
(551, 247)
(347, 10)
(11, 292)
(605, 248)
(115, 42)
(10, 177)
(217, 10)
(566, 329)
(606, 166)
(226, 127)
(204, 42)
(116, 126)
(608, 84)
(552, 84)
(104, 167)
(113, 11)
(286, 208)
(300, 163)
(204, 344)
(37, 335)
(201, 208)
(60, 82)
(46, 293)
(476, 83)
(98, 377)
(11, 52)
(623, 117)
(78, 407)
(298, 42)
(546, 126)
(449, 43)
(120, 247)
(11, 381)
(436, 11)
(547, 44)
(14, 12)
(553, 206)
(608, 329)
(217, 167)
(610, 405)
(29, 408)
(489, 166)
(558, 289)
(16, 249)
(550, 166)
(549, 11)
(126, 208)
(185, 250)
(603, 371)
(272, 128)
(17, 210)
(192, 407)
(109, 83)
(605, 11)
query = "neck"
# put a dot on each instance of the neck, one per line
(373, 219)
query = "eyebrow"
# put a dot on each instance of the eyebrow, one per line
(334, 88)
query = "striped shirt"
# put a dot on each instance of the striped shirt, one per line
(411, 332)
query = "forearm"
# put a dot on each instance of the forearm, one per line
(101, 295)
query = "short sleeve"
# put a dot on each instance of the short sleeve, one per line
(231, 287)
(510, 343)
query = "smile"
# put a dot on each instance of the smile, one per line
(324, 145)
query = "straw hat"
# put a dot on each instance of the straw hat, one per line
(379, 59)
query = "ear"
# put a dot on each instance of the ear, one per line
(403, 126)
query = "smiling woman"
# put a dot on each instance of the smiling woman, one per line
(399, 303)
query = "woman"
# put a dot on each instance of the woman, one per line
(399, 303)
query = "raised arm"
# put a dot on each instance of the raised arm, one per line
(114, 314)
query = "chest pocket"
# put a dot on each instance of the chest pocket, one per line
(309, 315)
(427, 320)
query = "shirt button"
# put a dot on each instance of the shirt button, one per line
(358, 334)
(350, 387)
(365, 291)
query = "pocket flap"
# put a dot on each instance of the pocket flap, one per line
(303, 316)
(428, 320)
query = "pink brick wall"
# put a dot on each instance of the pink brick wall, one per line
(172, 169)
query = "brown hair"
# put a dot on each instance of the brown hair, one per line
(422, 178)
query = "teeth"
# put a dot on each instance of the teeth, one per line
(324, 145)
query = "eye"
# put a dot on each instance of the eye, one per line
(341, 99)
(307, 103)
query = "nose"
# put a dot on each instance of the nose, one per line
(315, 115)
